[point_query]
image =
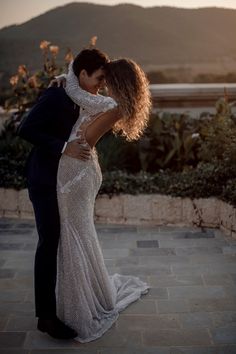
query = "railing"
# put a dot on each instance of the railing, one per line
(190, 95)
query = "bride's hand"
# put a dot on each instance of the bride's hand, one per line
(58, 82)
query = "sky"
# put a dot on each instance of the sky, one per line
(19, 11)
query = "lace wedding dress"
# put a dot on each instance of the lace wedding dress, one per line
(88, 298)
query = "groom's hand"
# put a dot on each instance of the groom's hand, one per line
(78, 150)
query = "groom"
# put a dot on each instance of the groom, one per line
(47, 127)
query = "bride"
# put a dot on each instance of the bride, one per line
(88, 298)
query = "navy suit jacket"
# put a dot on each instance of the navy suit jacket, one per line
(47, 126)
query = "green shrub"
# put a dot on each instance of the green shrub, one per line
(170, 142)
(115, 153)
(13, 154)
(219, 136)
(205, 181)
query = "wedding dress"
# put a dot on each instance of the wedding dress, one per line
(88, 298)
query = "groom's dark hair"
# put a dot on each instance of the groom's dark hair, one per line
(89, 60)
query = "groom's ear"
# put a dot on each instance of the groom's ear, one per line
(81, 77)
(83, 74)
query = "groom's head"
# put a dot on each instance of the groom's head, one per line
(89, 66)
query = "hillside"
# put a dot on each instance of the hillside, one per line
(152, 36)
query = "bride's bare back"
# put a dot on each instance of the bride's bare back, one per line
(99, 126)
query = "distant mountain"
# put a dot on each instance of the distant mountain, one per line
(152, 36)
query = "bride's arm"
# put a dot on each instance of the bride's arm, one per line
(94, 104)
(94, 130)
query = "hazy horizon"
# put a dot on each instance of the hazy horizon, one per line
(29, 9)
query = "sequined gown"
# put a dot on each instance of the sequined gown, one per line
(88, 298)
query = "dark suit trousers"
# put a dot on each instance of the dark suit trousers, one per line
(45, 205)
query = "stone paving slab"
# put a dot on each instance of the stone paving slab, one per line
(195, 320)
(226, 349)
(218, 279)
(224, 335)
(175, 280)
(176, 337)
(223, 319)
(172, 306)
(190, 308)
(182, 251)
(14, 351)
(12, 339)
(143, 322)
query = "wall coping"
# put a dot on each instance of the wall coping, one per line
(145, 209)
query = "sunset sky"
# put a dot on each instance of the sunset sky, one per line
(18, 11)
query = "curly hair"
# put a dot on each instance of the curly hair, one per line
(130, 88)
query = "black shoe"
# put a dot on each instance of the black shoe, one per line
(55, 328)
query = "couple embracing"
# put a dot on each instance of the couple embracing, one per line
(75, 297)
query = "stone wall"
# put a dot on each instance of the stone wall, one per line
(146, 209)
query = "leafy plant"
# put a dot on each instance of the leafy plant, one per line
(206, 180)
(219, 135)
(171, 141)
(27, 87)
(117, 154)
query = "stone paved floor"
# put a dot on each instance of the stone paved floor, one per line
(191, 307)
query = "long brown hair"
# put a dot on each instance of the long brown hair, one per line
(130, 88)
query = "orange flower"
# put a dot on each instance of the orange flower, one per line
(93, 41)
(69, 56)
(14, 80)
(44, 45)
(22, 71)
(54, 49)
(32, 81)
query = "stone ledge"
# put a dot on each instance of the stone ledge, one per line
(145, 209)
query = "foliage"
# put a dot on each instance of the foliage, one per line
(13, 154)
(28, 87)
(115, 153)
(219, 135)
(12, 173)
(205, 181)
(171, 141)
